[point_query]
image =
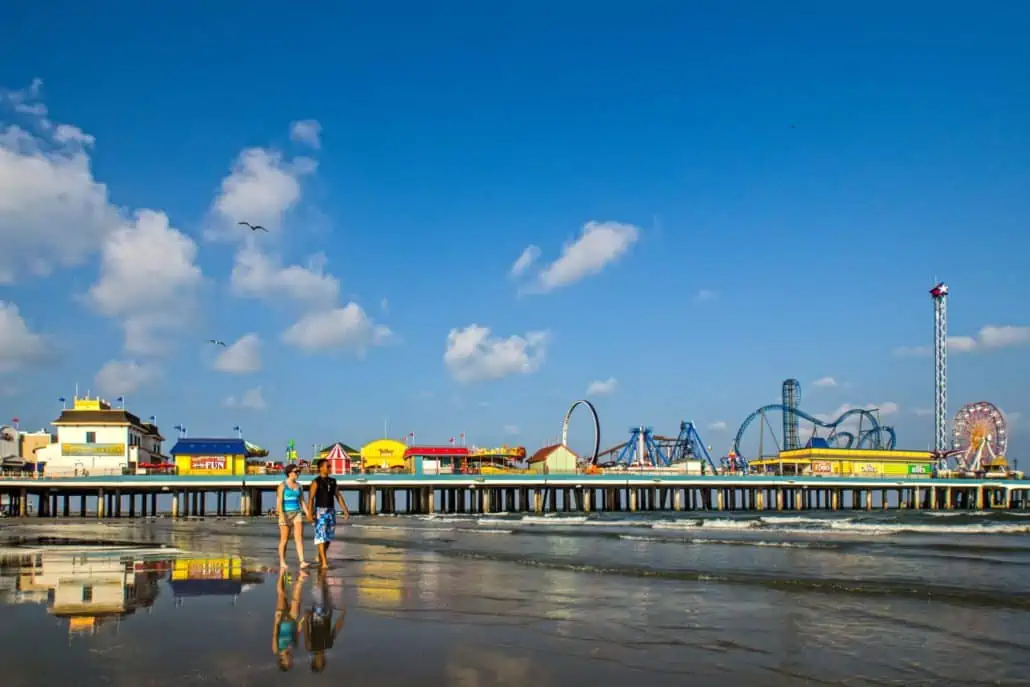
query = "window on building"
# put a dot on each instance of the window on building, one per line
(91, 437)
(87, 593)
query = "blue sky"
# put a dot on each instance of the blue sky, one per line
(769, 191)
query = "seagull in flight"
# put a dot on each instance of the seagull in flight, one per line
(216, 342)
(253, 227)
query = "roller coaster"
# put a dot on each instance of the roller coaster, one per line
(877, 436)
(647, 449)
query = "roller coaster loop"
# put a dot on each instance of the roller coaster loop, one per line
(871, 438)
(597, 427)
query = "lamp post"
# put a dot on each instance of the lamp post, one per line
(239, 431)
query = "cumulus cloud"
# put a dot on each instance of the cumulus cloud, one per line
(717, 426)
(261, 188)
(598, 245)
(525, 261)
(307, 132)
(472, 355)
(990, 337)
(19, 345)
(251, 399)
(241, 357)
(148, 279)
(53, 212)
(338, 328)
(258, 275)
(123, 377)
(602, 387)
(825, 382)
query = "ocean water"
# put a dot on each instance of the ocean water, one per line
(658, 599)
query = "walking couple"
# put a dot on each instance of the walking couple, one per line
(323, 495)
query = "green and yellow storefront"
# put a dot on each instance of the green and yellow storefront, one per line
(846, 462)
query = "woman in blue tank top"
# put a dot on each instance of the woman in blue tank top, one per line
(290, 504)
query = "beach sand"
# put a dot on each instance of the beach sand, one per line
(473, 603)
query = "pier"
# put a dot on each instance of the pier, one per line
(129, 496)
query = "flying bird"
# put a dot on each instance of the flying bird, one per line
(216, 342)
(253, 227)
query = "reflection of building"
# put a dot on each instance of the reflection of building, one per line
(381, 585)
(86, 586)
(214, 456)
(93, 436)
(222, 576)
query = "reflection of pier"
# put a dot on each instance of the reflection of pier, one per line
(223, 576)
(87, 585)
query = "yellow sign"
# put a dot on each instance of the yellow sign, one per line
(90, 404)
(92, 449)
(822, 467)
(867, 468)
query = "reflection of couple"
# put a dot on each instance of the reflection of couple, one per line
(316, 625)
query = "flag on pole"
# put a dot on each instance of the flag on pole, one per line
(452, 441)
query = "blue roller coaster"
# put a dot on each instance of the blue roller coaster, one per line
(645, 448)
(877, 436)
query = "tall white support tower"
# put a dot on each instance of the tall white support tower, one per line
(939, 295)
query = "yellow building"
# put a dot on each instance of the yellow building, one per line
(554, 459)
(383, 455)
(214, 456)
(847, 462)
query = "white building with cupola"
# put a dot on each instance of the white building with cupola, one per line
(93, 437)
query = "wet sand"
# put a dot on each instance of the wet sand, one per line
(475, 601)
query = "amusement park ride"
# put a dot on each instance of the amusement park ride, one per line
(978, 444)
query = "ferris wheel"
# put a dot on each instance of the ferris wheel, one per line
(980, 437)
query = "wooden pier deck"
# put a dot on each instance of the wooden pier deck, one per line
(107, 496)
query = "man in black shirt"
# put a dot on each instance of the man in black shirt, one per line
(324, 491)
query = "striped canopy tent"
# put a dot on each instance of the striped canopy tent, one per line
(340, 460)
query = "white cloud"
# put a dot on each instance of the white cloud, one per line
(147, 279)
(384, 305)
(705, 295)
(511, 429)
(1011, 418)
(52, 211)
(525, 261)
(993, 336)
(825, 382)
(717, 426)
(599, 245)
(19, 345)
(241, 357)
(261, 188)
(308, 132)
(346, 327)
(922, 412)
(252, 399)
(961, 344)
(123, 377)
(602, 387)
(473, 355)
(257, 275)
(990, 337)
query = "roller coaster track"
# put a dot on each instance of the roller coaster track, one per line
(597, 427)
(871, 438)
